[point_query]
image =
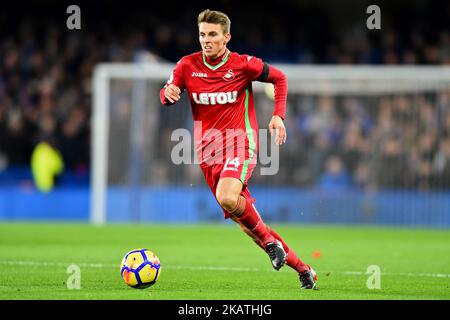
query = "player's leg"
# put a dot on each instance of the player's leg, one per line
(230, 197)
(292, 260)
(307, 275)
(227, 191)
(212, 177)
(228, 194)
(248, 232)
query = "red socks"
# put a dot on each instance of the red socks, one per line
(292, 260)
(246, 215)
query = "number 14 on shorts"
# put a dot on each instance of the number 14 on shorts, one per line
(232, 164)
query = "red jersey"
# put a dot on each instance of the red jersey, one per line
(220, 93)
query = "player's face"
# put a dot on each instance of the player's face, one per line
(213, 39)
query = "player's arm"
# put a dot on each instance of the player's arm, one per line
(170, 93)
(273, 75)
(264, 72)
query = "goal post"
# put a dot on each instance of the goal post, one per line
(132, 90)
(103, 73)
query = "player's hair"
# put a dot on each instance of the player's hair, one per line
(215, 17)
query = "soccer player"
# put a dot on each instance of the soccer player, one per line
(219, 85)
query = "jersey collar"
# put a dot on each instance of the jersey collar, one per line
(225, 59)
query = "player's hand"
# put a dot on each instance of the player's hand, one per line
(277, 125)
(172, 93)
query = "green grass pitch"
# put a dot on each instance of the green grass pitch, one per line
(221, 262)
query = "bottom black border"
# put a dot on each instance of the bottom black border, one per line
(226, 309)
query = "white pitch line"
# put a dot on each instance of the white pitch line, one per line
(100, 265)
(405, 274)
(209, 268)
(55, 264)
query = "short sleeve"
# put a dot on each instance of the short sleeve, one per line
(254, 67)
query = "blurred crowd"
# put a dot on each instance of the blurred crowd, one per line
(46, 70)
(45, 96)
(389, 142)
(335, 143)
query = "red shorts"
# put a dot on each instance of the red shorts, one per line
(234, 168)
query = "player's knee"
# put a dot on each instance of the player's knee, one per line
(227, 201)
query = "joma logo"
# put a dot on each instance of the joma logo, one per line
(199, 74)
